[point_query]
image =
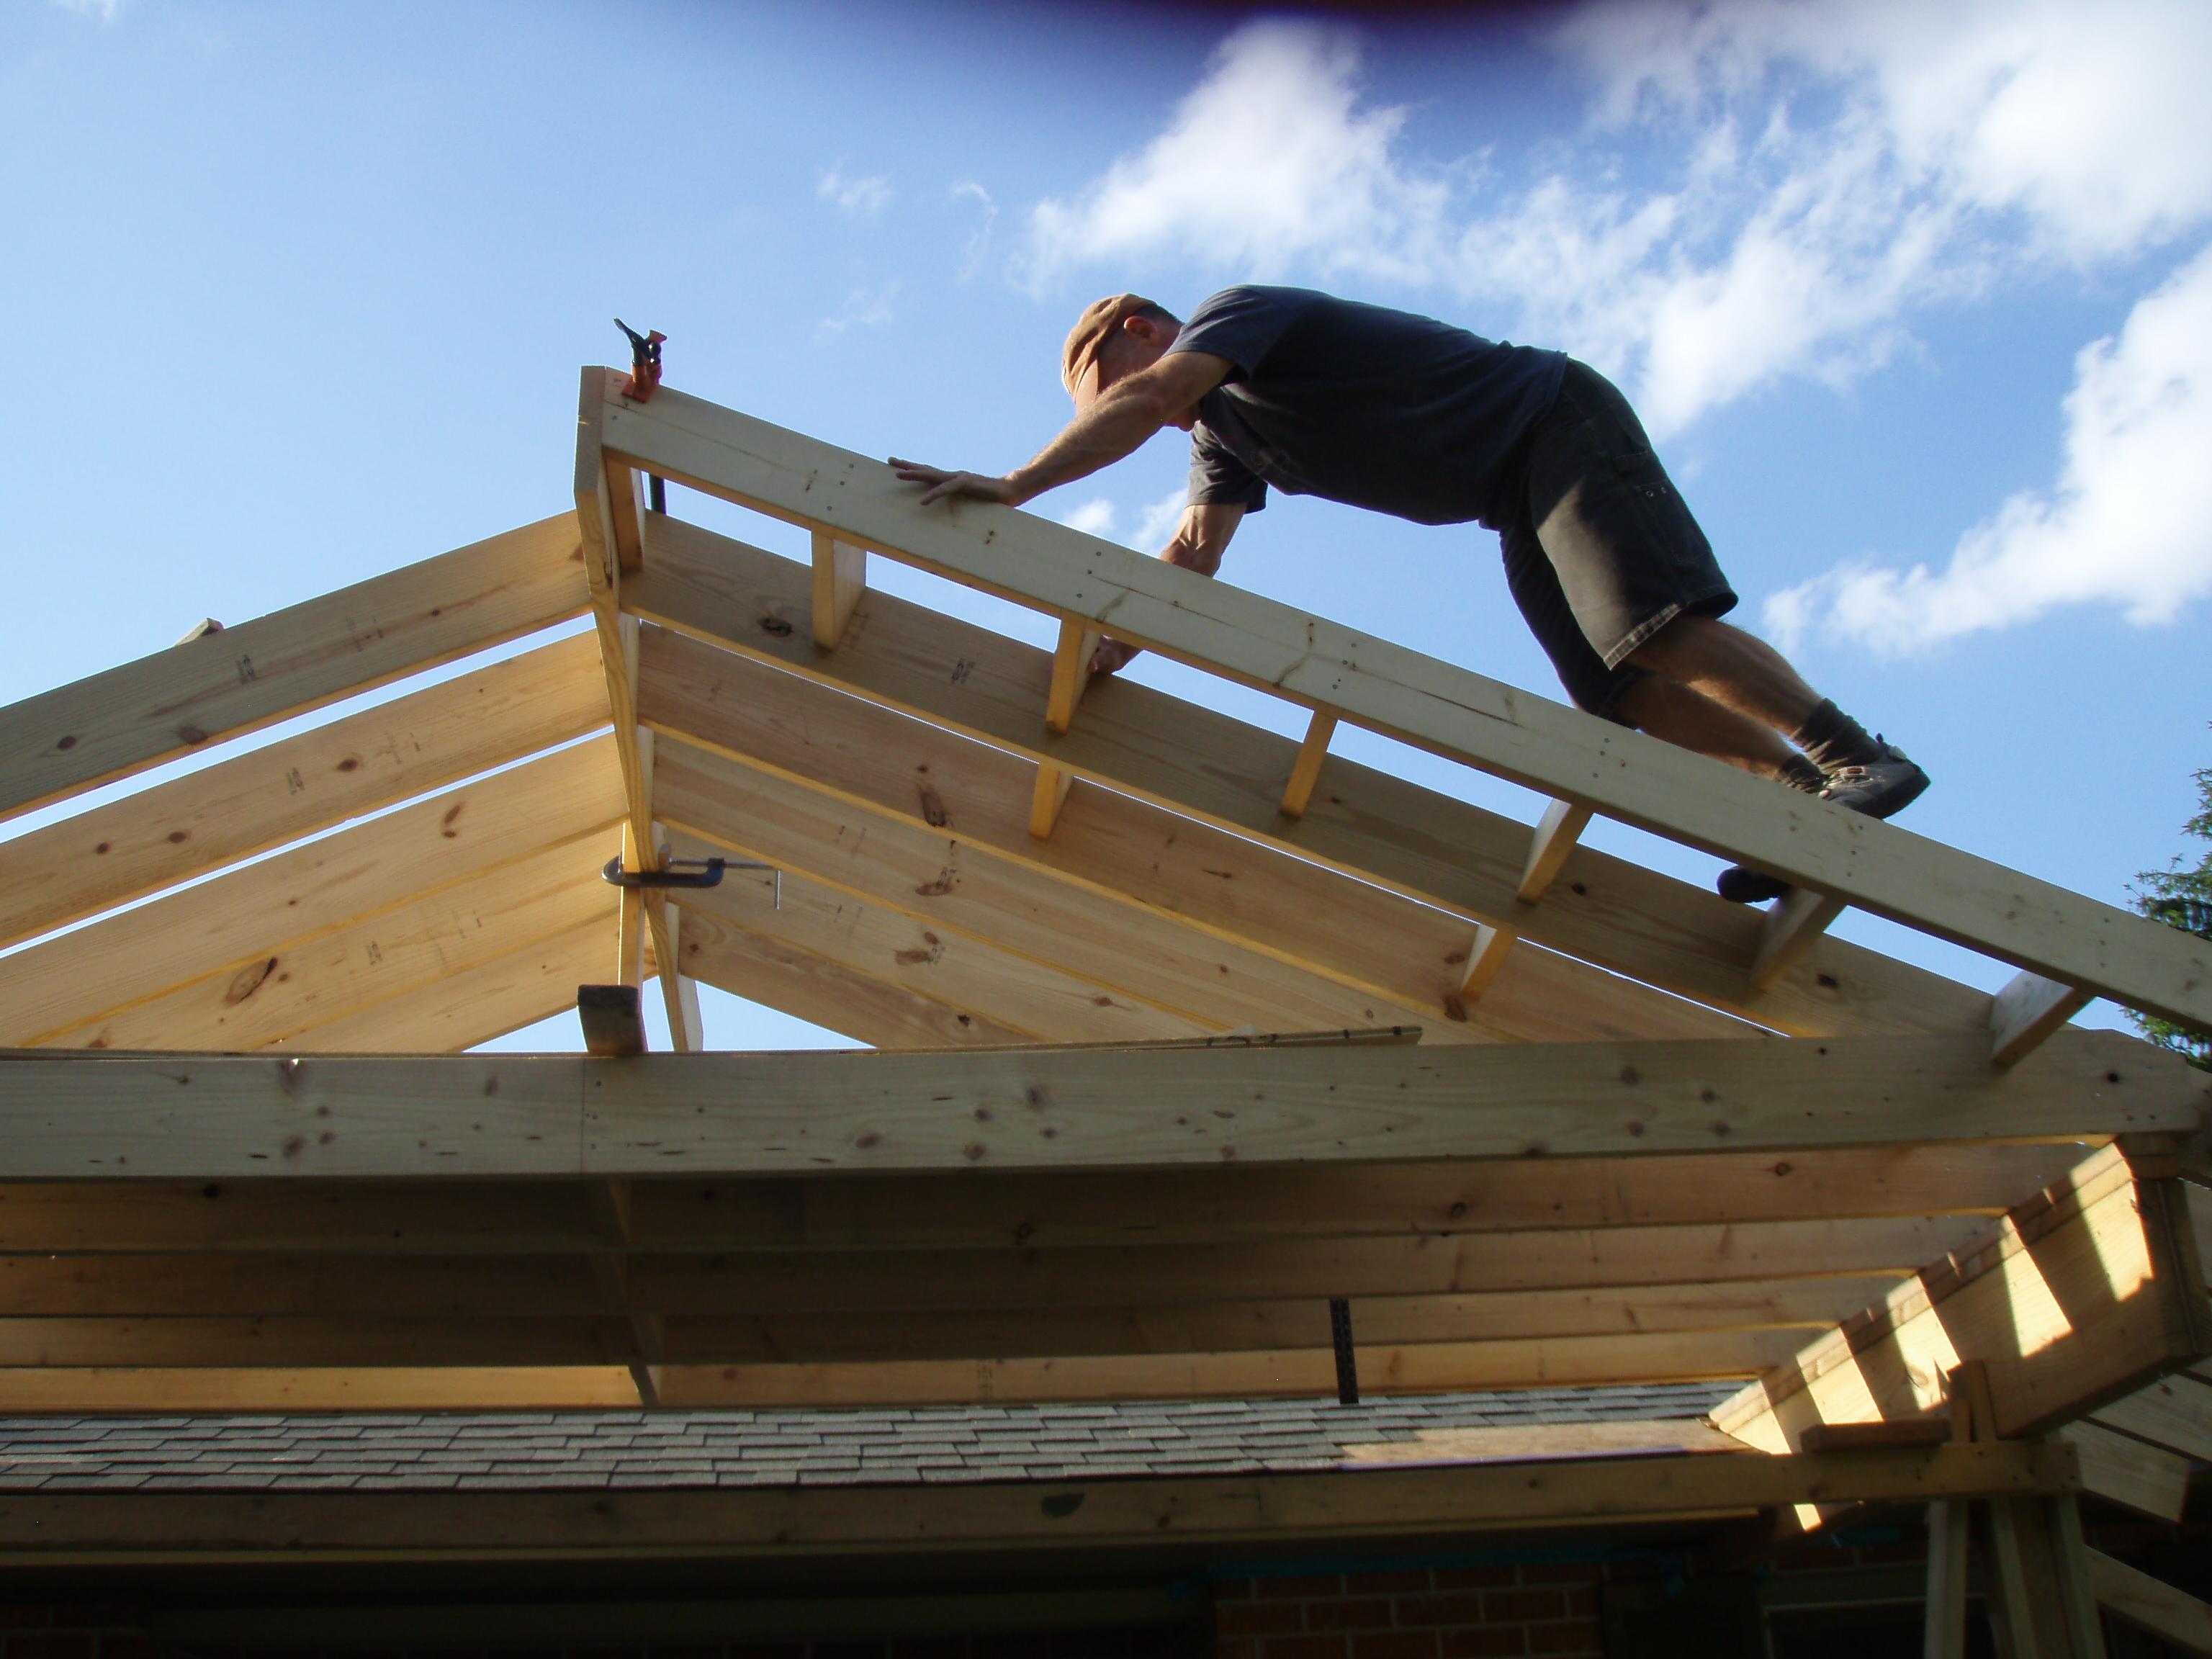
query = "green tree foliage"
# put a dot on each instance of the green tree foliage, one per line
(2182, 898)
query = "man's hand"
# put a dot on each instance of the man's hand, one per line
(942, 483)
(1200, 539)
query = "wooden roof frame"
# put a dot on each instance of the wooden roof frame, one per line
(1645, 1134)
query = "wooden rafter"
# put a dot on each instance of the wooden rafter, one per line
(1192, 764)
(223, 685)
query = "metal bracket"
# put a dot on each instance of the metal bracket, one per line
(685, 872)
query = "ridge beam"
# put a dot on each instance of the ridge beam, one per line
(2026, 1011)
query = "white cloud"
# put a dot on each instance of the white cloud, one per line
(1092, 517)
(1160, 521)
(868, 194)
(979, 239)
(1269, 163)
(2129, 523)
(863, 308)
(1823, 169)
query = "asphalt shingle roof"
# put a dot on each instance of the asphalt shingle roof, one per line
(677, 1448)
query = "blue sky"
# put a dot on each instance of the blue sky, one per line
(1917, 301)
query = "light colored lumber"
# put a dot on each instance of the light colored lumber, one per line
(668, 1115)
(1448, 710)
(1087, 1515)
(237, 924)
(687, 1028)
(526, 900)
(1034, 1211)
(2076, 1588)
(2074, 1297)
(2174, 1412)
(941, 962)
(1197, 763)
(392, 1332)
(940, 877)
(1944, 1609)
(840, 577)
(629, 965)
(1070, 673)
(2026, 1011)
(1305, 772)
(1049, 795)
(1662, 1267)
(2133, 1594)
(778, 974)
(1797, 918)
(1485, 960)
(170, 832)
(221, 685)
(1557, 832)
(1549, 1442)
(445, 1016)
(924, 787)
(2136, 1476)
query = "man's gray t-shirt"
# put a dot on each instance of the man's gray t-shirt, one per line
(1380, 408)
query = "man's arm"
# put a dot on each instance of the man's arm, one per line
(1199, 543)
(1116, 424)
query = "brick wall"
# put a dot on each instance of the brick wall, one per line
(1442, 1613)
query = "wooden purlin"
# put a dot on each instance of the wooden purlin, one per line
(667, 1116)
(1401, 694)
(363, 762)
(223, 684)
(1190, 762)
(1041, 1211)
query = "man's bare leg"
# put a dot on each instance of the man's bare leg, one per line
(1738, 671)
(1666, 708)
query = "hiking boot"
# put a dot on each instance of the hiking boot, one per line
(1885, 785)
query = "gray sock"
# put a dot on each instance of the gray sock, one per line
(1801, 773)
(1831, 739)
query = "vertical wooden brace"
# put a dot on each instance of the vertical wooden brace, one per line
(1799, 917)
(1491, 945)
(2028, 1011)
(611, 1228)
(1563, 824)
(1298, 794)
(840, 576)
(1071, 673)
(687, 1031)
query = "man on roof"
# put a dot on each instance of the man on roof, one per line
(1407, 416)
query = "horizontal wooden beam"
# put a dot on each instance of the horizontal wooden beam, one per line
(2175, 1413)
(238, 924)
(954, 887)
(588, 1336)
(254, 673)
(2073, 1299)
(761, 1282)
(669, 1115)
(1195, 763)
(362, 763)
(37, 1526)
(1034, 1210)
(1450, 711)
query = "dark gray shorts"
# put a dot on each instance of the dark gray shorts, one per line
(1601, 551)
